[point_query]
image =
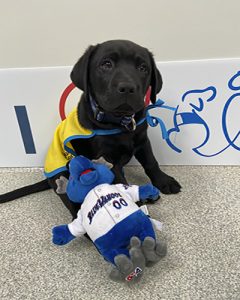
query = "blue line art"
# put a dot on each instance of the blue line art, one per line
(231, 82)
(224, 122)
(25, 129)
(192, 117)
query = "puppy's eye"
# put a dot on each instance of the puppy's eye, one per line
(106, 65)
(143, 68)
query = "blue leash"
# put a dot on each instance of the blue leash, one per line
(155, 121)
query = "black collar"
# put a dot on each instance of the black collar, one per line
(99, 115)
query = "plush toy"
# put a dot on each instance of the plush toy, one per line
(120, 230)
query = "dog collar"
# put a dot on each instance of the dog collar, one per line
(127, 121)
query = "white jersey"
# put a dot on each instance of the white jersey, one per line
(104, 207)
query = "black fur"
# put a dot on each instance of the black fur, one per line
(117, 75)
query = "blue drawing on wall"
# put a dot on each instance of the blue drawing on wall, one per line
(234, 97)
(25, 129)
(183, 118)
(191, 117)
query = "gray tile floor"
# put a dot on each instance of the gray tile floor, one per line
(201, 225)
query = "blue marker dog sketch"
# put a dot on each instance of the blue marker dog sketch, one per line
(196, 101)
(182, 118)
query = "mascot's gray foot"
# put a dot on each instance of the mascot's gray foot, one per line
(129, 269)
(153, 250)
(61, 185)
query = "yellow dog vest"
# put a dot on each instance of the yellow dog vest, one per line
(61, 150)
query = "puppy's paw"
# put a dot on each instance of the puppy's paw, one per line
(167, 184)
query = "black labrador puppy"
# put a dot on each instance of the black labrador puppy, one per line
(114, 77)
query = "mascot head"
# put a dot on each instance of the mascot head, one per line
(84, 176)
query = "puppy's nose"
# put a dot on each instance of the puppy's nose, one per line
(126, 88)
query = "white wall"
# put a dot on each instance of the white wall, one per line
(56, 32)
(203, 129)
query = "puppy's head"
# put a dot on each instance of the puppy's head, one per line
(117, 75)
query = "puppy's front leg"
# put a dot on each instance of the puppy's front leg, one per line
(166, 184)
(119, 174)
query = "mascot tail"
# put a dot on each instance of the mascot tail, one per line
(24, 191)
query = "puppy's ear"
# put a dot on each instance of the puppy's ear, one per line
(156, 80)
(79, 74)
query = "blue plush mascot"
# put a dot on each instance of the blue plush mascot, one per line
(119, 228)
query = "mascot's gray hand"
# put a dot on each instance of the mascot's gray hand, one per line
(129, 269)
(153, 250)
(61, 185)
